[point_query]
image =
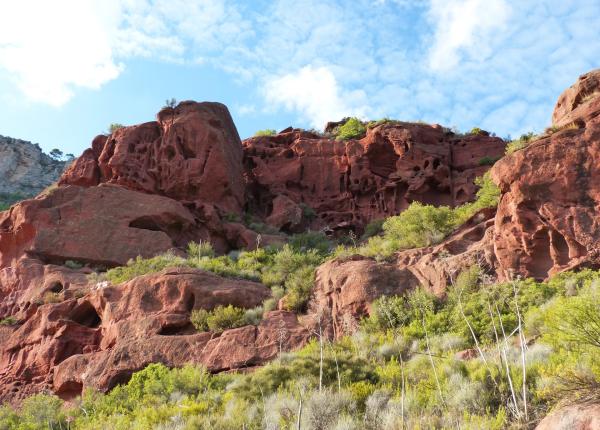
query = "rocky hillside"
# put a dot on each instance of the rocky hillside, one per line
(24, 169)
(205, 217)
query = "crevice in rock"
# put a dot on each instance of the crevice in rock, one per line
(86, 315)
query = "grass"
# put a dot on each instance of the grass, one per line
(380, 377)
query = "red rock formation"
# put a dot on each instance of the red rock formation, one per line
(192, 153)
(349, 183)
(346, 288)
(576, 417)
(547, 217)
(100, 339)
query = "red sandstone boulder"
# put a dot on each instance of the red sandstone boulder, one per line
(105, 225)
(346, 288)
(349, 183)
(576, 417)
(192, 153)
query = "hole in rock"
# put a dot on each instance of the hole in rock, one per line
(86, 315)
(69, 390)
(56, 287)
(177, 329)
(145, 223)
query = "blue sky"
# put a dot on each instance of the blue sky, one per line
(69, 68)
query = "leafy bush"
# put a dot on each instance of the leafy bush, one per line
(266, 132)
(353, 128)
(373, 228)
(487, 161)
(10, 320)
(114, 127)
(219, 319)
(9, 199)
(142, 266)
(520, 143)
(476, 131)
(198, 250)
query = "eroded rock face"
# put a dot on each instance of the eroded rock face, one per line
(577, 417)
(580, 103)
(100, 339)
(547, 218)
(349, 183)
(192, 153)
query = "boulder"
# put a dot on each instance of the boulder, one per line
(575, 417)
(346, 288)
(580, 103)
(192, 153)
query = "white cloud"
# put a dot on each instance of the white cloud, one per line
(49, 48)
(464, 25)
(314, 92)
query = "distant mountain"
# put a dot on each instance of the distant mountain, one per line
(25, 169)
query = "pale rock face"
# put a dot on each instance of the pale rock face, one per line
(24, 168)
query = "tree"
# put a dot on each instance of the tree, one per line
(171, 103)
(114, 127)
(56, 154)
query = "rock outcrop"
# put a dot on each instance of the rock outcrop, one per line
(192, 153)
(99, 339)
(547, 217)
(349, 183)
(576, 417)
(25, 169)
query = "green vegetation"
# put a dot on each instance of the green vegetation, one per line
(400, 369)
(424, 225)
(520, 143)
(114, 127)
(266, 132)
(9, 199)
(353, 128)
(170, 103)
(476, 131)
(8, 321)
(488, 161)
(219, 319)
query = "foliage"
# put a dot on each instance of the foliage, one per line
(9, 199)
(10, 320)
(114, 127)
(170, 103)
(520, 143)
(476, 131)
(219, 319)
(56, 154)
(373, 228)
(353, 128)
(488, 161)
(266, 132)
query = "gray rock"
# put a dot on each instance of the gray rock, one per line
(25, 169)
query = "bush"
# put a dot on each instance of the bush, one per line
(353, 128)
(373, 228)
(219, 319)
(9, 199)
(114, 127)
(266, 132)
(520, 143)
(10, 320)
(299, 288)
(487, 161)
(142, 266)
(198, 250)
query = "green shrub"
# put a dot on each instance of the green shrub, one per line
(114, 127)
(219, 319)
(353, 128)
(9, 199)
(142, 266)
(198, 250)
(487, 161)
(299, 288)
(307, 212)
(373, 228)
(266, 132)
(314, 240)
(419, 225)
(10, 320)
(476, 131)
(520, 143)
